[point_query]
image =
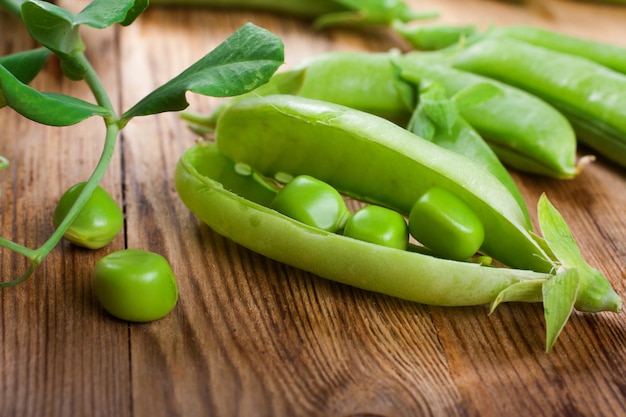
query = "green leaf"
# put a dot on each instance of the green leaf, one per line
(104, 13)
(559, 296)
(246, 60)
(595, 293)
(53, 27)
(24, 66)
(46, 108)
(475, 95)
(57, 29)
(523, 291)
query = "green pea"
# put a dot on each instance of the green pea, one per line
(444, 223)
(379, 225)
(312, 202)
(135, 285)
(98, 222)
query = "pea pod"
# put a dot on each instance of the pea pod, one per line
(403, 274)
(323, 12)
(364, 81)
(590, 95)
(525, 132)
(437, 119)
(433, 37)
(542, 142)
(611, 56)
(370, 158)
(339, 142)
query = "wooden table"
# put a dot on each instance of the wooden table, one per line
(249, 336)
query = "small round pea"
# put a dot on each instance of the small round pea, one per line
(378, 225)
(312, 202)
(135, 285)
(443, 222)
(98, 222)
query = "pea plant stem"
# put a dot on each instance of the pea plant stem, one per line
(112, 130)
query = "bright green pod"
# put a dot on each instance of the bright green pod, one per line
(611, 56)
(442, 222)
(591, 96)
(433, 37)
(97, 224)
(378, 225)
(325, 12)
(364, 81)
(403, 274)
(312, 202)
(525, 132)
(372, 159)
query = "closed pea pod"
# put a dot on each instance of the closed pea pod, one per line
(608, 55)
(364, 81)
(591, 96)
(324, 12)
(524, 131)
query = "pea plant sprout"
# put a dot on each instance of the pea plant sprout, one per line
(244, 61)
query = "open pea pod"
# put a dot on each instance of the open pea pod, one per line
(372, 159)
(235, 206)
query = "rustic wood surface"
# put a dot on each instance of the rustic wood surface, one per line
(249, 336)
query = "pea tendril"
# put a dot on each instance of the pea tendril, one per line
(258, 55)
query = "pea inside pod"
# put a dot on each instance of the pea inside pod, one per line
(378, 225)
(312, 202)
(444, 223)
(374, 160)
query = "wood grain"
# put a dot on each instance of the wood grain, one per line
(252, 337)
